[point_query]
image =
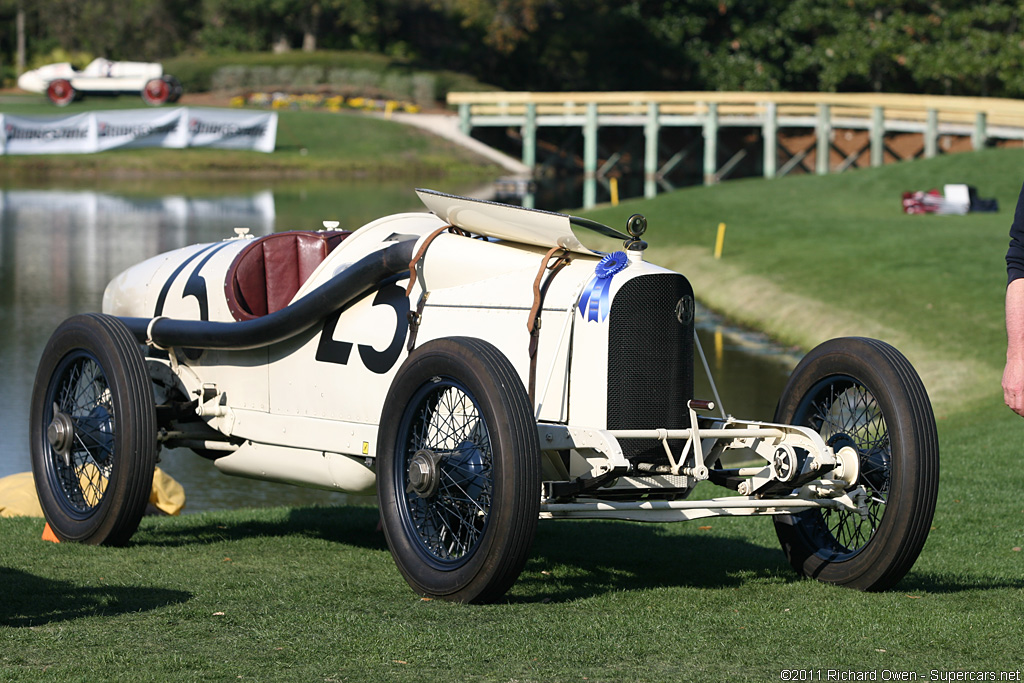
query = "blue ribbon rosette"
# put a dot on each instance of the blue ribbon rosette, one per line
(594, 302)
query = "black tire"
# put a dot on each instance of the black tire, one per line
(93, 431)
(61, 92)
(863, 392)
(458, 415)
(175, 88)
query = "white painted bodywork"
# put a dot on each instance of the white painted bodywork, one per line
(293, 418)
(101, 75)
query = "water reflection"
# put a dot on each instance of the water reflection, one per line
(749, 370)
(59, 248)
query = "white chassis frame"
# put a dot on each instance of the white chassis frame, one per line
(704, 444)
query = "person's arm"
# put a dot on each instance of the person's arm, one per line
(1013, 373)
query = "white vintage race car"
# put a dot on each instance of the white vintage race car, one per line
(481, 369)
(63, 84)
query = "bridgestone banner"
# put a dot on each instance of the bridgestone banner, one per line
(101, 130)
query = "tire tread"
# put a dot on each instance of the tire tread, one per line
(906, 535)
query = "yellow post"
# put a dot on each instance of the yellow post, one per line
(613, 183)
(720, 240)
(719, 348)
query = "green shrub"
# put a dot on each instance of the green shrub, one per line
(345, 72)
(284, 75)
(261, 77)
(225, 78)
(395, 85)
(354, 80)
(424, 89)
(308, 76)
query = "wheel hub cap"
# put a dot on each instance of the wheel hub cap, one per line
(423, 474)
(61, 434)
(848, 467)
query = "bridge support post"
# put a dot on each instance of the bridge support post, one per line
(530, 137)
(651, 129)
(877, 132)
(980, 136)
(590, 156)
(931, 134)
(711, 144)
(823, 134)
(770, 133)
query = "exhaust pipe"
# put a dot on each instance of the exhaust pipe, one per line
(349, 285)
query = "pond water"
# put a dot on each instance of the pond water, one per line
(60, 247)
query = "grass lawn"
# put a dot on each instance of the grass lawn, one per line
(310, 144)
(311, 594)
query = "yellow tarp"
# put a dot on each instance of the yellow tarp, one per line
(167, 495)
(18, 495)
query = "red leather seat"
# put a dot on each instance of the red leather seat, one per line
(266, 274)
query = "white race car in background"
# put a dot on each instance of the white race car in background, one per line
(63, 84)
(481, 369)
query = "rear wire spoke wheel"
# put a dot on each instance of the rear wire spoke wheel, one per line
(93, 431)
(458, 471)
(865, 394)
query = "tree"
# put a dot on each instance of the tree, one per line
(938, 46)
(236, 25)
(117, 29)
(970, 50)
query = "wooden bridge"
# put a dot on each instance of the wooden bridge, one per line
(981, 121)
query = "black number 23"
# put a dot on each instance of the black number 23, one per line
(332, 351)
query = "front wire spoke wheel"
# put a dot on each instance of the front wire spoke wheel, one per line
(458, 471)
(450, 521)
(864, 394)
(847, 409)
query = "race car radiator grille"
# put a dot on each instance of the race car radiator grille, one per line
(650, 360)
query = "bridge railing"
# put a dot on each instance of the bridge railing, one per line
(982, 119)
(998, 111)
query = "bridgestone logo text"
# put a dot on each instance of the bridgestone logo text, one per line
(108, 130)
(16, 133)
(177, 128)
(226, 129)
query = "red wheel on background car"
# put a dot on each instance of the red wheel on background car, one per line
(156, 92)
(60, 92)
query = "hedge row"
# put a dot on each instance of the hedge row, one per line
(345, 73)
